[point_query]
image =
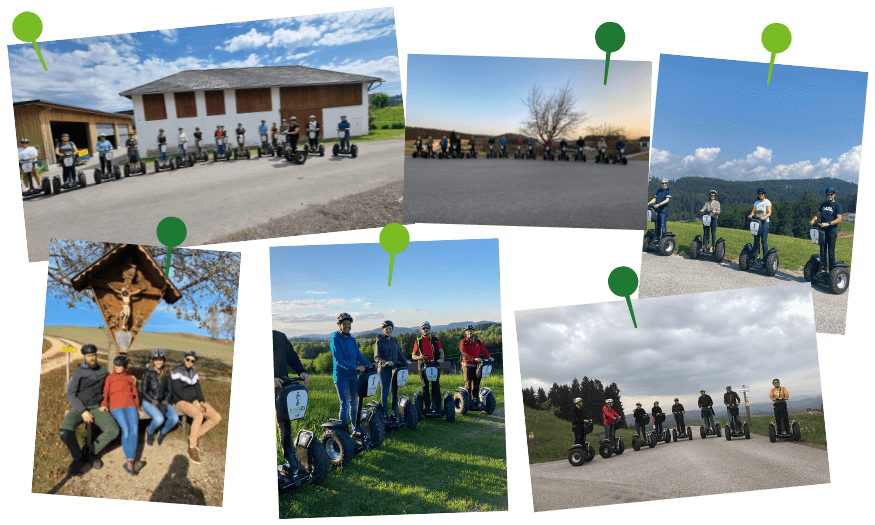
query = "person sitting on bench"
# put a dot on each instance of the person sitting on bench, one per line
(189, 399)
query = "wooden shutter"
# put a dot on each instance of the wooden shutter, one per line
(153, 107)
(253, 100)
(215, 102)
(186, 107)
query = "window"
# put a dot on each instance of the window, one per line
(186, 107)
(253, 100)
(153, 107)
(215, 102)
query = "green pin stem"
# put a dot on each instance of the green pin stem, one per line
(171, 232)
(391, 266)
(167, 270)
(623, 281)
(632, 312)
(394, 238)
(607, 65)
(40, 55)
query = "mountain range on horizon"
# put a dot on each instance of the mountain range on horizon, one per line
(398, 330)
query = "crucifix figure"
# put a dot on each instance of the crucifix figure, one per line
(126, 294)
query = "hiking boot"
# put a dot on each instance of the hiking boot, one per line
(96, 463)
(194, 455)
(150, 438)
(160, 438)
(75, 467)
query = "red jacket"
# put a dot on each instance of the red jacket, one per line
(120, 391)
(423, 347)
(609, 415)
(471, 350)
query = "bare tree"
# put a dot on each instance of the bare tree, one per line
(229, 325)
(552, 115)
(212, 323)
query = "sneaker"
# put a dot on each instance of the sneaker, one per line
(150, 438)
(138, 466)
(75, 467)
(160, 438)
(96, 463)
(128, 469)
(194, 455)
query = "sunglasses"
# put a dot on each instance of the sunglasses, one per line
(190, 360)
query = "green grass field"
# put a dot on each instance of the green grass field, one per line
(438, 467)
(641, 157)
(553, 436)
(389, 115)
(793, 252)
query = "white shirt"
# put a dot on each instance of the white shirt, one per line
(760, 207)
(182, 138)
(312, 125)
(27, 153)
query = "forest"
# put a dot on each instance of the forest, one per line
(561, 399)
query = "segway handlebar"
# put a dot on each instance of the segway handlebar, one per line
(289, 380)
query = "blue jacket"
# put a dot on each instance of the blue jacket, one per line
(661, 195)
(620, 144)
(103, 146)
(503, 142)
(262, 130)
(343, 125)
(443, 143)
(347, 356)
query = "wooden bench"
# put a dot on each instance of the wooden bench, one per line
(183, 419)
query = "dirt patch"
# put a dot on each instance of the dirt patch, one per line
(843, 235)
(370, 209)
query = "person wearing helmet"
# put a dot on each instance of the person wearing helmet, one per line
(85, 394)
(491, 143)
(579, 421)
(262, 129)
(677, 410)
(293, 134)
(609, 416)
(549, 146)
(103, 146)
(220, 148)
(830, 216)
(762, 208)
(284, 131)
(348, 361)
(503, 144)
(619, 145)
(344, 126)
(428, 348)
(640, 415)
(417, 145)
(429, 145)
(312, 126)
(731, 398)
(156, 398)
(457, 144)
(189, 399)
(240, 132)
(388, 356)
(181, 143)
(706, 404)
(563, 145)
(63, 148)
(779, 396)
(471, 348)
(198, 137)
(132, 145)
(660, 202)
(162, 141)
(27, 153)
(121, 400)
(658, 418)
(443, 145)
(712, 208)
(580, 142)
(274, 129)
(285, 357)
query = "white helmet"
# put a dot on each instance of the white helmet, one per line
(577, 400)
(609, 400)
(663, 181)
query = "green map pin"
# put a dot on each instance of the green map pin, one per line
(623, 281)
(776, 39)
(28, 27)
(610, 37)
(171, 232)
(394, 238)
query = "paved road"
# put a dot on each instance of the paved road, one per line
(686, 468)
(678, 274)
(213, 199)
(513, 192)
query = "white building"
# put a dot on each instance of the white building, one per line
(211, 97)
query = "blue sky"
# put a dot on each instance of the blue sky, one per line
(717, 118)
(436, 281)
(484, 94)
(91, 72)
(163, 318)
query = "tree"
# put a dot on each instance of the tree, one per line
(551, 115)
(380, 100)
(229, 325)
(213, 323)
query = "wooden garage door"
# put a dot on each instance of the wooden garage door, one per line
(253, 100)
(186, 107)
(303, 115)
(153, 107)
(331, 96)
(215, 102)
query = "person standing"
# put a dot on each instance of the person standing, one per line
(579, 421)
(471, 348)
(156, 398)
(762, 208)
(262, 130)
(660, 203)
(640, 416)
(67, 148)
(731, 398)
(189, 399)
(779, 396)
(284, 135)
(285, 357)
(428, 348)
(712, 208)
(103, 146)
(120, 398)
(292, 134)
(348, 361)
(241, 133)
(162, 146)
(677, 410)
(388, 357)
(274, 129)
(609, 417)
(198, 140)
(133, 148)
(344, 126)
(27, 153)
(707, 406)
(181, 143)
(830, 216)
(220, 141)
(658, 418)
(313, 130)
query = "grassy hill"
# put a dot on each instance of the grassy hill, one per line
(389, 115)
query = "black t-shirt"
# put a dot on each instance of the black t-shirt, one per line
(131, 143)
(492, 141)
(162, 139)
(241, 131)
(293, 129)
(581, 143)
(563, 144)
(829, 211)
(677, 409)
(198, 135)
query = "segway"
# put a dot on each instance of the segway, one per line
(580, 454)
(417, 150)
(776, 432)
(730, 433)
(339, 444)
(502, 153)
(608, 447)
(530, 153)
(652, 241)
(134, 166)
(265, 148)
(485, 401)
(649, 438)
(619, 158)
(704, 430)
(201, 154)
(817, 268)
(682, 431)
(580, 154)
(183, 160)
(320, 150)
(665, 436)
(490, 153)
(698, 249)
(241, 151)
(224, 156)
(602, 156)
(297, 156)
(548, 153)
(518, 154)
(107, 173)
(455, 152)
(280, 150)
(75, 183)
(406, 415)
(45, 187)
(748, 259)
(448, 412)
(472, 151)
(563, 153)
(351, 151)
(168, 165)
(308, 463)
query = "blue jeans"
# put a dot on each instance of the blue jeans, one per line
(709, 419)
(609, 432)
(386, 389)
(162, 155)
(128, 420)
(640, 429)
(344, 141)
(662, 216)
(349, 399)
(764, 234)
(157, 419)
(220, 148)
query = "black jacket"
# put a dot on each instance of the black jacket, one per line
(185, 385)
(578, 418)
(705, 401)
(284, 356)
(85, 388)
(639, 414)
(155, 390)
(731, 398)
(388, 349)
(656, 411)
(677, 409)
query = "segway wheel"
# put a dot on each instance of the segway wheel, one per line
(411, 417)
(321, 150)
(690, 433)
(192, 160)
(605, 450)
(744, 261)
(248, 154)
(414, 154)
(47, 186)
(625, 161)
(377, 432)
(667, 245)
(300, 157)
(339, 447)
(728, 433)
(98, 178)
(674, 435)
(462, 402)
(260, 151)
(172, 166)
(117, 173)
(127, 170)
(82, 181)
(354, 151)
(142, 167)
(417, 402)
(719, 251)
(797, 433)
(839, 279)
(667, 436)
(621, 448)
(702, 432)
(648, 237)
(590, 452)
(651, 440)
(636, 443)
(772, 264)
(490, 404)
(584, 158)
(772, 433)
(176, 162)
(717, 429)
(449, 412)
(56, 186)
(809, 270)
(576, 457)
(694, 249)
(235, 154)
(335, 150)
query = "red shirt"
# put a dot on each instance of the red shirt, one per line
(423, 346)
(609, 415)
(471, 350)
(120, 391)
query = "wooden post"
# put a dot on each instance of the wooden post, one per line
(744, 390)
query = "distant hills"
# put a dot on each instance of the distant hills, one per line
(398, 330)
(693, 414)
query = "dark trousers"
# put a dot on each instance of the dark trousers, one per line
(293, 142)
(579, 436)
(662, 220)
(782, 417)
(69, 174)
(434, 399)
(286, 437)
(314, 143)
(710, 230)
(658, 428)
(109, 430)
(679, 421)
(472, 382)
(103, 164)
(831, 236)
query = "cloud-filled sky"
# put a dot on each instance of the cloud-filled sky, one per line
(485, 95)
(683, 343)
(91, 72)
(717, 118)
(439, 281)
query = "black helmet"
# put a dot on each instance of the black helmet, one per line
(344, 317)
(88, 349)
(159, 353)
(728, 387)
(761, 190)
(676, 399)
(829, 191)
(424, 324)
(192, 353)
(121, 360)
(776, 380)
(469, 327)
(656, 402)
(637, 404)
(161, 130)
(387, 323)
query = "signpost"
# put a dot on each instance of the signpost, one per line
(744, 390)
(69, 350)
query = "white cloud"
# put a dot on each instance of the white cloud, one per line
(368, 305)
(250, 61)
(386, 68)
(315, 292)
(251, 40)
(297, 56)
(659, 156)
(762, 156)
(293, 39)
(171, 36)
(349, 35)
